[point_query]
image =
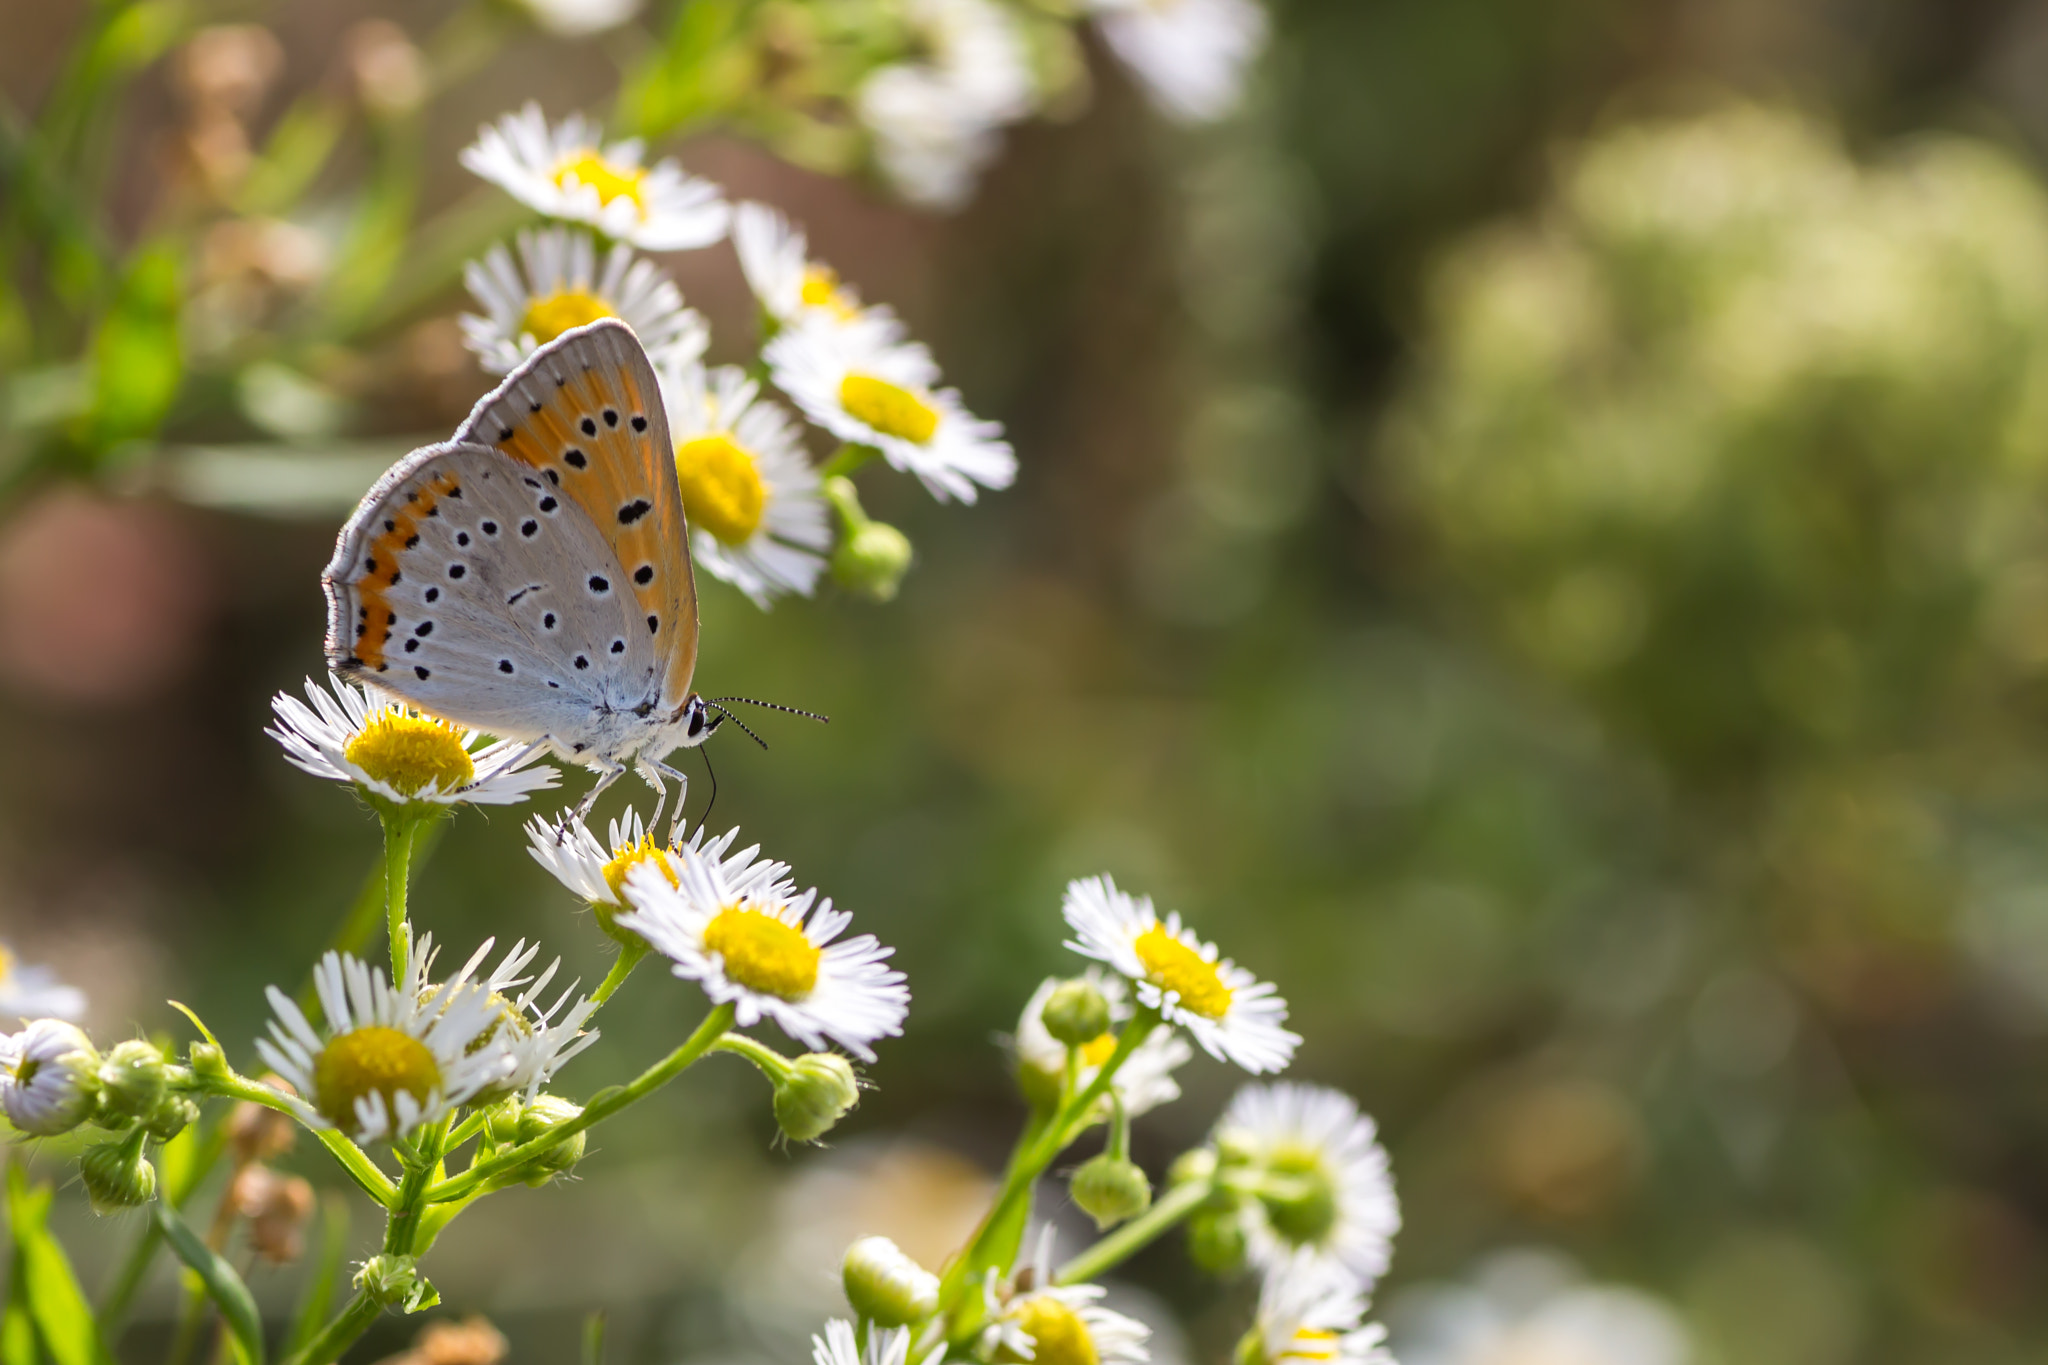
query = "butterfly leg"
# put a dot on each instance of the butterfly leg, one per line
(653, 779)
(682, 781)
(605, 777)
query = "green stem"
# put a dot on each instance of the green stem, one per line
(845, 461)
(602, 1106)
(629, 958)
(353, 1159)
(399, 829)
(772, 1064)
(1134, 1235)
(401, 1230)
(367, 912)
(1033, 1157)
(337, 1336)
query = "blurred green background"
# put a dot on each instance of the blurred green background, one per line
(1532, 536)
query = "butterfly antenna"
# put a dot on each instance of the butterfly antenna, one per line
(705, 751)
(771, 706)
(737, 721)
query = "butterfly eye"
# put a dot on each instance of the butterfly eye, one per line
(696, 721)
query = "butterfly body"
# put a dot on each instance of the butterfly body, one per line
(531, 578)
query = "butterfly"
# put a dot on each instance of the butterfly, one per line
(531, 577)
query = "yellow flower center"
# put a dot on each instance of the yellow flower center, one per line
(411, 753)
(611, 182)
(722, 488)
(889, 408)
(548, 318)
(631, 856)
(1058, 1336)
(821, 290)
(1311, 1343)
(1300, 1194)
(1098, 1050)
(1172, 965)
(6, 962)
(762, 953)
(374, 1060)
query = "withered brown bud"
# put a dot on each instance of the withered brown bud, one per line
(258, 1134)
(277, 1209)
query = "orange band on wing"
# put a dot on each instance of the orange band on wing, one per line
(381, 571)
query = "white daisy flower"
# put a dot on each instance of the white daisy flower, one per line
(387, 1060)
(355, 734)
(567, 171)
(1145, 1080)
(49, 1074)
(558, 284)
(868, 390)
(1312, 1314)
(597, 871)
(1531, 1308)
(579, 18)
(542, 1038)
(1232, 1015)
(737, 929)
(757, 517)
(1191, 55)
(935, 120)
(28, 992)
(1033, 1319)
(790, 286)
(1324, 1191)
(886, 1346)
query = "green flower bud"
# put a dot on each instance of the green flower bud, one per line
(544, 1113)
(1216, 1238)
(132, 1079)
(818, 1091)
(1234, 1149)
(173, 1113)
(1076, 1013)
(1192, 1168)
(872, 561)
(886, 1286)
(1110, 1189)
(501, 1121)
(116, 1175)
(208, 1062)
(388, 1279)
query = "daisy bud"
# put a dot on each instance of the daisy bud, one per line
(501, 1121)
(815, 1094)
(173, 1113)
(51, 1078)
(208, 1061)
(116, 1175)
(1110, 1189)
(1216, 1239)
(1077, 1012)
(872, 561)
(887, 1287)
(132, 1079)
(544, 1113)
(388, 1279)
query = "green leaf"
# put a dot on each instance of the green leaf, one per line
(223, 1285)
(304, 139)
(58, 1307)
(138, 359)
(697, 72)
(17, 1331)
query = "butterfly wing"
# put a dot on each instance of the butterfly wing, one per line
(585, 414)
(467, 585)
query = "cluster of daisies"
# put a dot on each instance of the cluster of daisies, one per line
(761, 514)
(952, 74)
(1292, 1183)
